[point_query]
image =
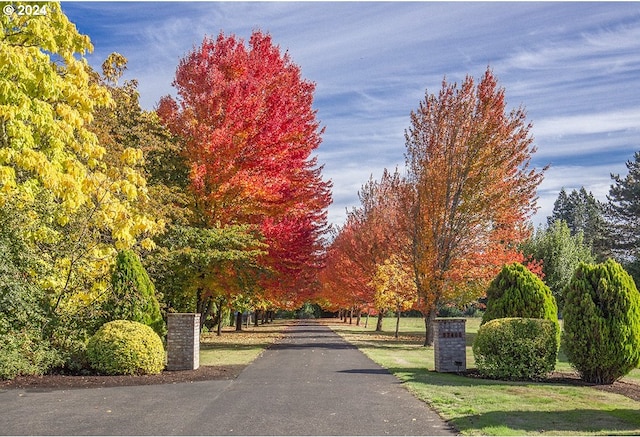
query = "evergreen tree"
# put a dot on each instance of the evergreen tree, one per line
(583, 213)
(602, 322)
(516, 292)
(623, 211)
(134, 295)
(560, 253)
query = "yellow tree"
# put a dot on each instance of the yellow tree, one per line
(395, 286)
(468, 161)
(52, 166)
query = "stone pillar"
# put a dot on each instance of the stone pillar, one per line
(183, 341)
(449, 345)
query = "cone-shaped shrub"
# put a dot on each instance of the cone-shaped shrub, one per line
(134, 296)
(516, 292)
(602, 322)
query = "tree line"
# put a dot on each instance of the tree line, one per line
(435, 234)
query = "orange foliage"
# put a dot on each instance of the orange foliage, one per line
(474, 191)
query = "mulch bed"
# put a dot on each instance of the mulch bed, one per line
(203, 373)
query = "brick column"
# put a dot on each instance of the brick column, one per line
(183, 341)
(450, 344)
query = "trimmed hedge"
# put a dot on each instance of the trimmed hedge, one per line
(602, 322)
(516, 348)
(516, 292)
(123, 347)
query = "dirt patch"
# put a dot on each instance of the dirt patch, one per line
(203, 373)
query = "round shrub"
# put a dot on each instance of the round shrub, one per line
(516, 292)
(602, 322)
(516, 348)
(123, 347)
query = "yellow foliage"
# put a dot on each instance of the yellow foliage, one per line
(395, 285)
(52, 166)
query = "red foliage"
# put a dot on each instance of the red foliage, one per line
(246, 118)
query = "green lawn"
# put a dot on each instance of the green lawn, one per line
(482, 407)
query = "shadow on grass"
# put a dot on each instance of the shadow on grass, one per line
(581, 421)
(618, 421)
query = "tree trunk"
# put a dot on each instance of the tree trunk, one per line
(206, 309)
(256, 317)
(380, 319)
(358, 317)
(239, 321)
(397, 320)
(351, 316)
(366, 322)
(428, 326)
(219, 331)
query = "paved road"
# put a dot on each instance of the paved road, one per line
(310, 383)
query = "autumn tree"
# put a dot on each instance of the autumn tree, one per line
(201, 269)
(245, 117)
(372, 233)
(346, 278)
(468, 160)
(395, 286)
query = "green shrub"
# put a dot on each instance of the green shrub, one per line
(516, 348)
(24, 348)
(133, 296)
(516, 292)
(602, 322)
(123, 347)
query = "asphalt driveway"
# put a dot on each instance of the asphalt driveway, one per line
(310, 383)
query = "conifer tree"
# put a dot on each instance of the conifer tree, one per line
(134, 295)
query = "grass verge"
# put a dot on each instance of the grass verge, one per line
(483, 407)
(239, 348)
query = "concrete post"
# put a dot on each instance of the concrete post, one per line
(183, 341)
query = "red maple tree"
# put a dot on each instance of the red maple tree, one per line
(246, 118)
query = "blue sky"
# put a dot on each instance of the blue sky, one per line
(575, 67)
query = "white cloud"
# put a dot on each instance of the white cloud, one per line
(574, 66)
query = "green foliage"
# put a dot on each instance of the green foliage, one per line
(602, 322)
(516, 292)
(123, 347)
(583, 214)
(516, 348)
(24, 307)
(24, 350)
(560, 252)
(193, 265)
(133, 296)
(623, 211)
